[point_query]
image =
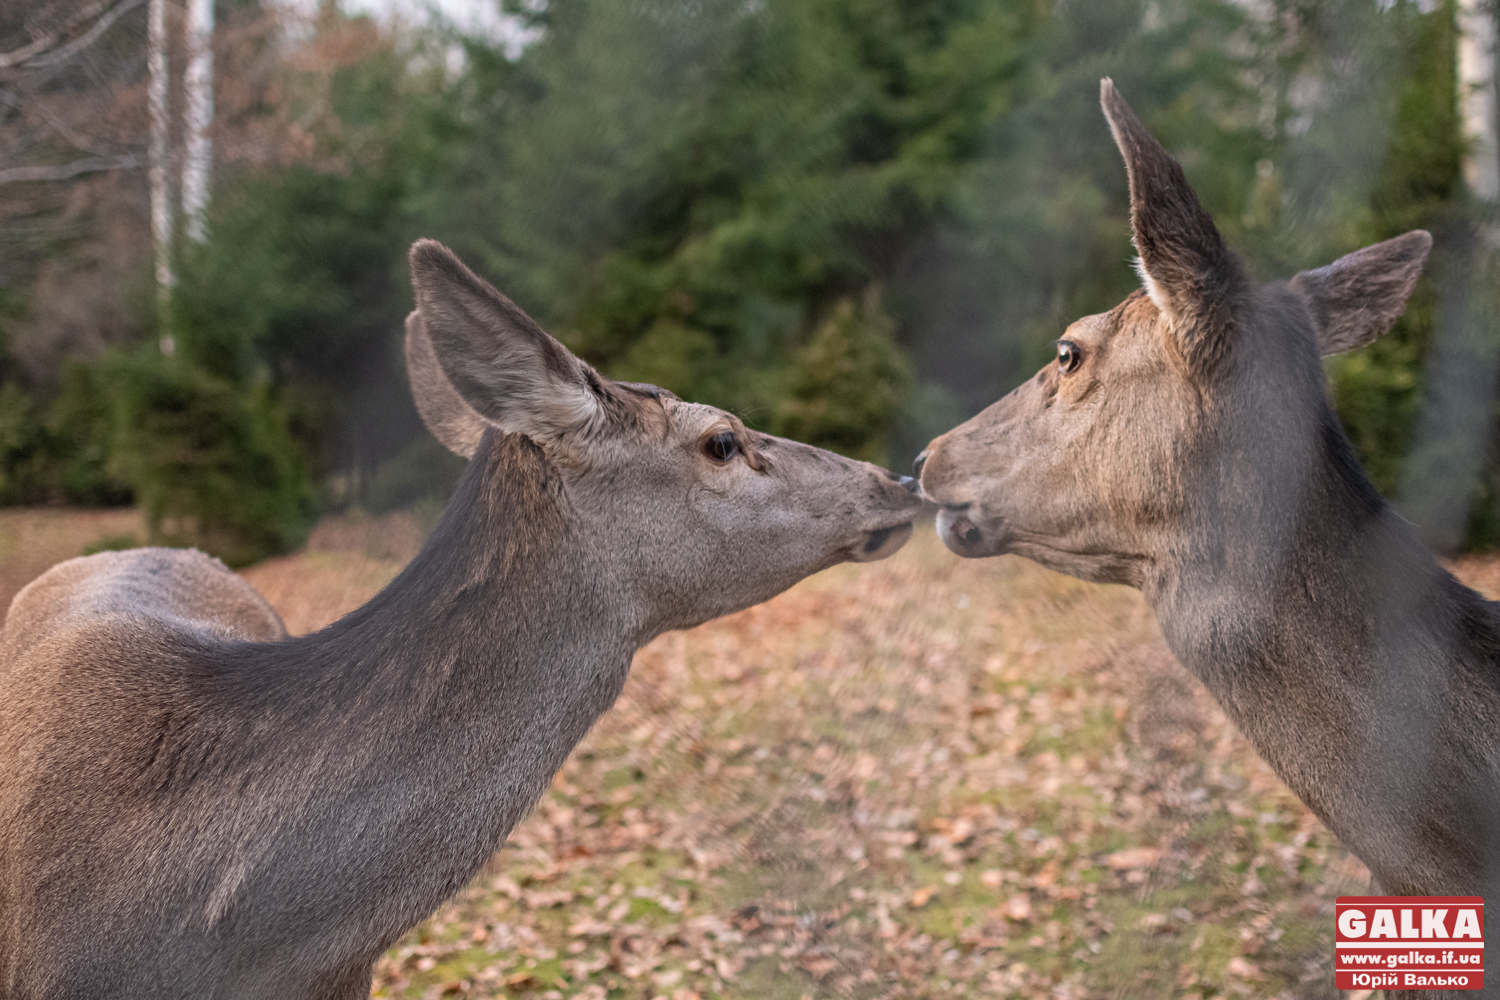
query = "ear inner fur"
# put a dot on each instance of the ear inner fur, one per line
(451, 420)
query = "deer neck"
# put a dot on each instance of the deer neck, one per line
(504, 602)
(1347, 656)
(446, 704)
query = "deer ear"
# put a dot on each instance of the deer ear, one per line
(496, 360)
(1188, 271)
(1358, 297)
(451, 420)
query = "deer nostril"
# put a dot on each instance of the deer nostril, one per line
(916, 466)
(965, 530)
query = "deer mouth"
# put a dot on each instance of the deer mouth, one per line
(881, 542)
(958, 527)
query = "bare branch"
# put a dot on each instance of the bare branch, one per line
(35, 56)
(62, 172)
(61, 127)
(45, 42)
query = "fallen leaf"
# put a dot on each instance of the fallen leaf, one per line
(1134, 857)
(1237, 966)
(819, 966)
(1017, 907)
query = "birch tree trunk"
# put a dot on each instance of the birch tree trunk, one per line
(161, 204)
(1451, 441)
(1477, 99)
(198, 115)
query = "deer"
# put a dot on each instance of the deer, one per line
(195, 804)
(1183, 443)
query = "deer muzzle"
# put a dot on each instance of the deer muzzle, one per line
(881, 542)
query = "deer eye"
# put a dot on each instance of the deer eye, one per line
(722, 446)
(1068, 356)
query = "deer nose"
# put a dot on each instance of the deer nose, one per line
(916, 466)
(911, 485)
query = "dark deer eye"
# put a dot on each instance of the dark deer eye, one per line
(1068, 356)
(722, 446)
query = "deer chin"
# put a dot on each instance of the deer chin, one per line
(880, 543)
(967, 534)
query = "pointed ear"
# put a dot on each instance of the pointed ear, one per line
(496, 359)
(1189, 273)
(451, 420)
(1357, 298)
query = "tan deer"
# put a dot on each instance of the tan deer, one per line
(193, 805)
(1183, 443)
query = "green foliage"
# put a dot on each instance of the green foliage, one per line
(211, 461)
(847, 383)
(80, 428)
(58, 455)
(23, 451)
(686, 192)
(741, 176)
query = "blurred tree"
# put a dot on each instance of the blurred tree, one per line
(686, 191)
(706, 195)
(693, 191)
(1369, 145)
(847, 382)
(304, 285)
(209, 458)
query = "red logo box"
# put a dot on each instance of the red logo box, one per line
(1409, 943)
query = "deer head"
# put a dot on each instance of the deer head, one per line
(1192, 411)
(689, 512)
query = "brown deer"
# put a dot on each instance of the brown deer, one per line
(1183, 443)
(194, 805)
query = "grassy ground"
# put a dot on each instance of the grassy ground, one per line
(922, 778)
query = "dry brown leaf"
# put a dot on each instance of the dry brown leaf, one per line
(1134, 857)
(1017, 907)
(1237, 966)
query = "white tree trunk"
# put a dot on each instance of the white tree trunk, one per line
(1453, 431)
(161, 204)
(1476, 97)
(198, 115)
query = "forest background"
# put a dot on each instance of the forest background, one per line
(853, 222)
